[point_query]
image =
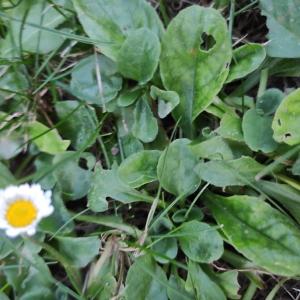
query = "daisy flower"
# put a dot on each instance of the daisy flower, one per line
(22, 207)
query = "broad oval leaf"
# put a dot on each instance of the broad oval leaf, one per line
(258, 131)
(86, 249)
(175, 169)
(196, 74)
(139, 55)
(107, 183)
(286, 121)
(215, 148)
(73, 181)
(145, 125)
(109, 22)
(46, 139)
(269, 101)
(260, 232)
(224, 173)
(202, 285)
(79, 123)
(35, 39)
(200, 242)
(231, 128)
(283, 21)
(145, 280)
(246, 59)
(139, 168)
(92, 88)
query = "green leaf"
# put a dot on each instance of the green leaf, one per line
(13, 80)
(246, 59)
(139, 55)
(175, 169)
(287, 196)
(287, 119)
(6, 177)
(296, 167)
(231, 128)
(261, 233)
(196, 74)
(59, 219)
(165, 250)
(8, 245)
(79, 123)
(269, 101)
(224, 173)
(228, 281)
(73, 181)
(131, 145)
(128, 97)
(167, 100)
(201, 285)
(258, 132)
(86, 249)
(145, 125)
(33, 39)
(200, 242)
(95, 80)
(176, 290)
(283, 21)
(11, 144)
(109, 22)
(145, 281)
(215, 148)
(107, 183)
(181, 215)
(46, 139)
(139, 168)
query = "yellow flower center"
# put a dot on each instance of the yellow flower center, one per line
(21, 213)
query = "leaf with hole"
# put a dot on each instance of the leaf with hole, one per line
(260, 232)
(196, 51)
(287, 119)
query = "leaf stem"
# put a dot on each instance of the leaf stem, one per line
(251, 290)
(264, 74)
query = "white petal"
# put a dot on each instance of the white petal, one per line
(12, 232)
(31, 231)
